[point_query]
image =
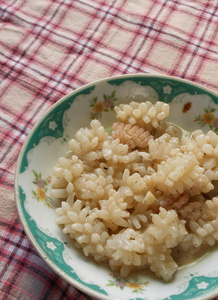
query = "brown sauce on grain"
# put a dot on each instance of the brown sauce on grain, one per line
(214, 192)
(186, 259)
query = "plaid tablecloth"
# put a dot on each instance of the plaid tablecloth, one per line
(50, 47)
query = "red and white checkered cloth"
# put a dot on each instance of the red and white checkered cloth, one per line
(48, 48)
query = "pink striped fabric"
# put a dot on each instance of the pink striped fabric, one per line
(50, 47)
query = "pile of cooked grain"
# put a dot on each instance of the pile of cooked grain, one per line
(132, 197)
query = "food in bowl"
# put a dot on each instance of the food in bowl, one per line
(138, 196)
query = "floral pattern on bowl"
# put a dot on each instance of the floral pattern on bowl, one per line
(41, 191)
(121, 283)
(208, 118)
(192, 107)
(104, 105)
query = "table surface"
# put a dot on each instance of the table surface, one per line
(49, 48)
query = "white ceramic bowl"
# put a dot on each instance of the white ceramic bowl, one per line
(191, 106)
